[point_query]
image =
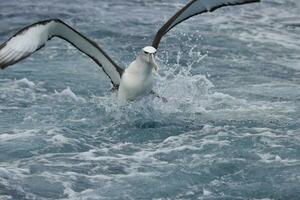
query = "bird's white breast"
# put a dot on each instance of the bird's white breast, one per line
(136, 81)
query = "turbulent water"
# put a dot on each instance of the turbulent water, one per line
(230, 128)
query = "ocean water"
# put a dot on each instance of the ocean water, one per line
(230, 129)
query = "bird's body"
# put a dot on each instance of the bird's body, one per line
(137, 79)
(134, 81)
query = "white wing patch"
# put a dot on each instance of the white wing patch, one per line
(23, 44)
(34, 37)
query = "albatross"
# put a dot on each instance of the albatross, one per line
(134, 81)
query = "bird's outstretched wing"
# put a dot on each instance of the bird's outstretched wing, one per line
(194, 7)
(33, 37)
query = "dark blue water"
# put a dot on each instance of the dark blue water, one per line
(230, 129)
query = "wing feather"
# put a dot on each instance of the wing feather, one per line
(194, 7)
(32, 38)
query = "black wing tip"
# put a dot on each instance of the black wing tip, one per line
(2, 45)
(2, 63)
(3, 66)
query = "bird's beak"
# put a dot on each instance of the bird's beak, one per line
(153, 62)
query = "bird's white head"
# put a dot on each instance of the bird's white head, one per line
(148, 55)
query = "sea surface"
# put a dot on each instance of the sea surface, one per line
(230, 129)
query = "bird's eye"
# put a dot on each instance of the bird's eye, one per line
(146, 52)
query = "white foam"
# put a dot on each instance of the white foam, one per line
(206, 192)
(17, 134)
(70, 94)
(25, 82)
(60, 139)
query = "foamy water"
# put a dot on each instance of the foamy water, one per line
(230, 128)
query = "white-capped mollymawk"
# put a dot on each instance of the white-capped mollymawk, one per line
(132, 82)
